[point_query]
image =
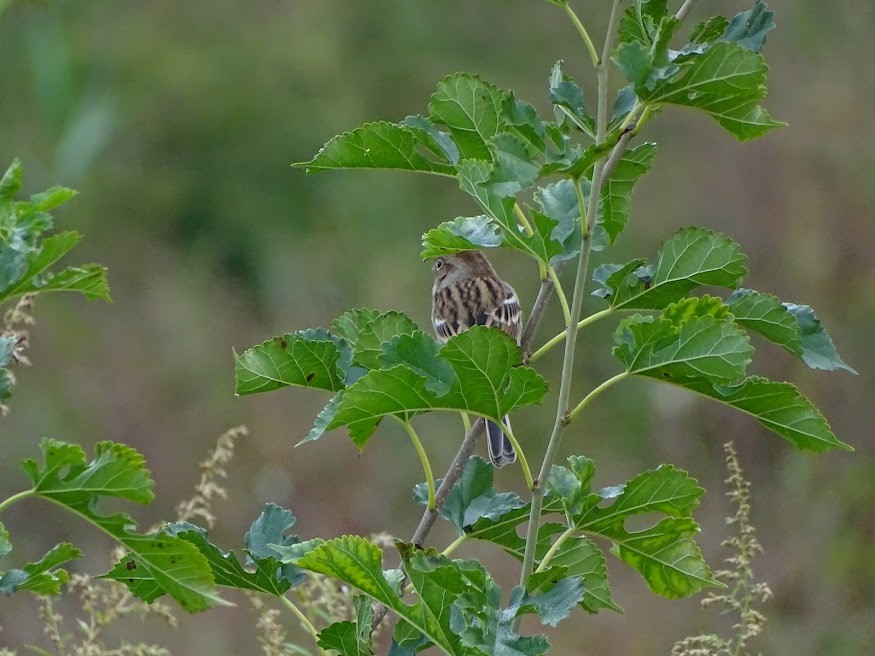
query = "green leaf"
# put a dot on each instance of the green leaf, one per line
(667, 557)
(764, 314)
(727, 81)
(472, 175)
(419, 352)
(552, 604)
(665, 554)
(379, 145)
(351, 638)
(568, 101)
(10, 184)
(689, 258)
(42, 577)
(469, 107)
(617, 190)
(514, 169)
(310, 358)
(25, 259)
(268, 531)
(36, 261)
(157, 563)
(573, 485)
(464, 233)
(700, 347)
(579, 557)
(488, 383)
(818, 350)
(117, 471)
(522, 120)
(559, 202)
(226, 568)
(750, 28)
(473, 497)
(777, 406)
(640, 20)
(357, 562)
(429, 136)
(368, 347)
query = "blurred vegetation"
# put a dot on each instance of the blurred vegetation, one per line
(177, 122)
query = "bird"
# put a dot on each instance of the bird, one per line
(468, 292)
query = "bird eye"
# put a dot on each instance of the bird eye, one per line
(438, 263)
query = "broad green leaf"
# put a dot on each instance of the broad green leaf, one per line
(351, 638)
(227, 569)
(89, 280)
(157, 563)
(667, 557)
(310, 358)
(351, 323)
(818, 350)
(700, 347)
(727, 82)
(704, 35)
(358, 563)
(688, 259)
(640, 20)
(551, 604)
(514, 168)
(522, 120)
(25, 255)
(117, 471)
(579, 557)
(568, 101)
(558, 201)
(488, 383)
(665, 554)
(666, 489)
(269, 530)
(52, 197)
(42, 577)
(472, 175)
(750, 28)
(368, 345)
(764, 314)
(462, 604)
(10, 184)
(429, 136)
(379, 145)
(464, 233)
(37, 260)
(419, 352)
(617, 190)
(572, 485)
(473, 497)
(777, 406)
(470, 108)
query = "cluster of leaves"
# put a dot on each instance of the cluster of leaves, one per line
(176, 560)
(26, 255)
(382, 365)
(497, 146)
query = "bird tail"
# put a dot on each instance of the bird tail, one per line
(501, 451)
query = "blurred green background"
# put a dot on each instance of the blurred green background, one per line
(177, 122)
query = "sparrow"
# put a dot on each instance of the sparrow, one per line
(468, 292)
